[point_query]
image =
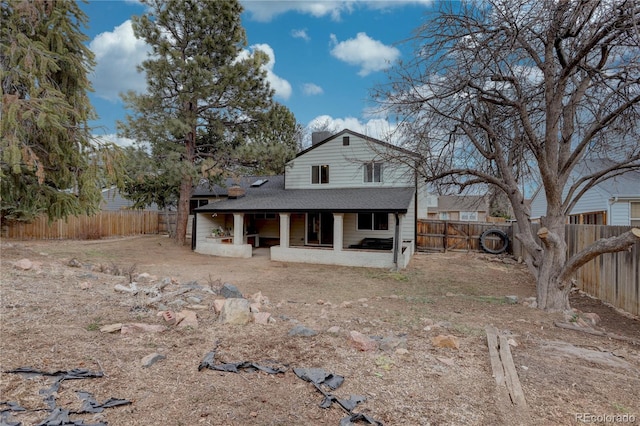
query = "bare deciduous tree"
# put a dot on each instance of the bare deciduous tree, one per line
(504, 91)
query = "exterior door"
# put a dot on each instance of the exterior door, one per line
(320, 229)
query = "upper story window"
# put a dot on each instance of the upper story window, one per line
(469, 216)
(373, 172)
(345, 141)
(320, 174)
(443, 216)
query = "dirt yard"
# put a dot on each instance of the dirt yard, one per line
(52, 312)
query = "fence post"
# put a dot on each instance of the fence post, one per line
(446, 235)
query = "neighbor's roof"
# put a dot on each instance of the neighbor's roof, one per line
(340, 200)
(466, 203)
(625, 185)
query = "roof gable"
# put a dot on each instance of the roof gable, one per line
(369, 139)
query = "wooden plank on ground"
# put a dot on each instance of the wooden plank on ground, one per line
(504, 371)
(511, 375)
(494, 356)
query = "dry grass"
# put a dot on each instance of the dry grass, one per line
(51, 314)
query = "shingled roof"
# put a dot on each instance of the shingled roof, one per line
(204, 189)
(340, 200)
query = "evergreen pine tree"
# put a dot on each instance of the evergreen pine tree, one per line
(203, 95)
(48, 162)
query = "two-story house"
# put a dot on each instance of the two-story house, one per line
(339, 202)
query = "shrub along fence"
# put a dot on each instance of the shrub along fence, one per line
(101, 225)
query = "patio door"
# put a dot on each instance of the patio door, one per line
(319, 229)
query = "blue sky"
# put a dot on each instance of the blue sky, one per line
(326, 56)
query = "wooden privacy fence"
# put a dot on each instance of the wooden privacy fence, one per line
(611, 277)
(100, 225)
(443, 235)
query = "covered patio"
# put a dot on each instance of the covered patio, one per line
(312, 226)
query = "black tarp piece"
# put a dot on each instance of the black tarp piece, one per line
(76, 373)
(59, 416)
(356, 417)
(90, 405)
(319, 378)
(234, 367)
(6, 419)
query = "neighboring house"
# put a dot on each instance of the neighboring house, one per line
(338, 203)
(465, 208)
(112, 200)
(613, 202)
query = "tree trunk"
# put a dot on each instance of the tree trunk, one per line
(186, 184)
(182, 219)
(553, 292)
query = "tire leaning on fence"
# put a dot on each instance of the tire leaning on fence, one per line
(504, 238)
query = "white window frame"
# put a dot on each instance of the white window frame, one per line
(317, 174)
(373, 172)
(443, 216)
(468, 216)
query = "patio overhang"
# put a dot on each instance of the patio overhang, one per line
(334, 203)
(337, 200)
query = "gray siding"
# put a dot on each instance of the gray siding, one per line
(113, 201)
(538, 204)
(346, 168)
(594, 200)
(619, 214)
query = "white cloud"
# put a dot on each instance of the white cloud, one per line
(113, 138)
(378, 128)
(311, 89)
(266, 10)
(369, 54)
(117, 54)
(300, 34)
(281, 86)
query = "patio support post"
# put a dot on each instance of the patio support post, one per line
(338, 228)
(284, 229)
(238, 228)
(397, 244)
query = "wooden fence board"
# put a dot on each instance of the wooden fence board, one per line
(101, 225)
(611, 277)
(455, 236)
